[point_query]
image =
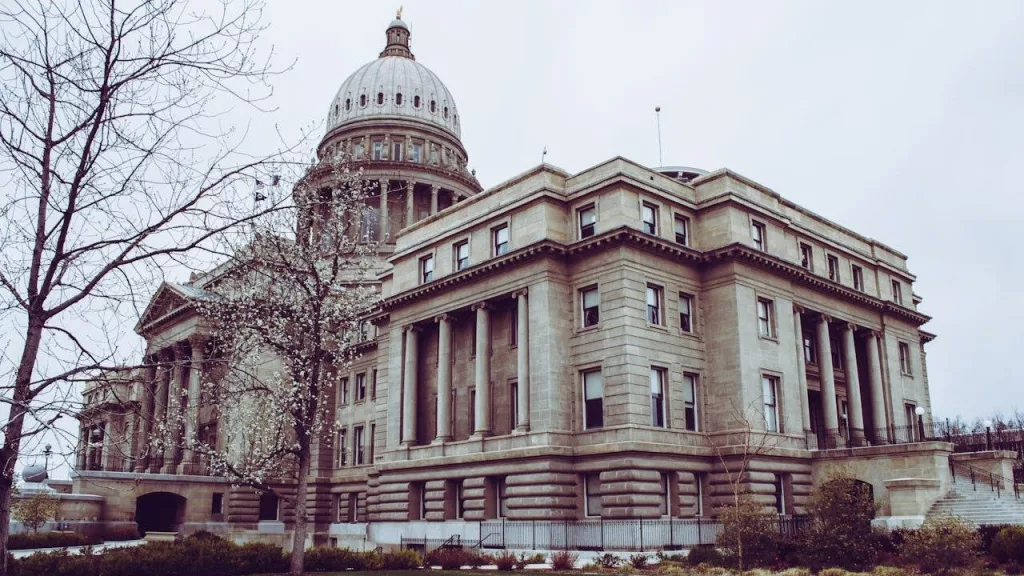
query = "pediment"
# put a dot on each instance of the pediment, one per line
(168, 298)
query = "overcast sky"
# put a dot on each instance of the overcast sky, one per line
(901, 120)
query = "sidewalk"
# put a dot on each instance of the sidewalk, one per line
(78, 549)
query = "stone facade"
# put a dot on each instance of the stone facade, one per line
(562, 346)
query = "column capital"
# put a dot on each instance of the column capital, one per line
(823, 317)
(481, 306)
(798, 309)
(198, 339)
(851, 326)
(522, 292)
(413, 328)
(434, 188)
(872, 333)
(446, 317)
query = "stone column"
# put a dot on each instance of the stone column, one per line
(411, 386)
(828, 380)
(142, 452)
(384, 224)
(483, 370)
(434, 189)
(160, 411)
(801, 369)
(444, 378)
(189, 461)
(853, 386)
(522, 361)
(172, 452)
(881, 424)
(108, 460)
(410, 202)
(82, 461)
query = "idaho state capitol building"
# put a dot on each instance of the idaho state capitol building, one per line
(560, 347)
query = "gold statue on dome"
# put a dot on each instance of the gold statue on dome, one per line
(398, 13)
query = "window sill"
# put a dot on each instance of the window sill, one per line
(583, 329)
(770, 338)
(661, 327)
(689, 334)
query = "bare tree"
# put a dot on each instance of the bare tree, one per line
(289, 310)
(114, 164)
(736, 449)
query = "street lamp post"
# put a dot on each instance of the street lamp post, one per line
(47, 450)
(988, 434)
(920, 422)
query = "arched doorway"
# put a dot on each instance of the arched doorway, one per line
(159, 512)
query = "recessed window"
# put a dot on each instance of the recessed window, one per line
(499, 236)
(806, 256)
(373, 384)
(270, 506)
(217, 505)
(757, 234)
(445, 112)
(348, 104)
(461, 251)
(588, 221)
(342, 448)
(513, 405)
(398, 150)
(682, 229)
(649, 218)
(378, 150)
(343, 386)
(593, 400)
(416, 101)
(690, 402)
(897, 292)
(417, 153)
(904, 358)
(685, 312)
(590, 302)
(769, 391)
(837, 354)
(858, 277)
(766, 317)
(335, 109)
(433, 106)
(357, 445)
(592, 494)
(361, 386)
(654, 299)
(398, 99)
(358, 151)
(362, 100)
(833, 268)
(810, 349)
(513, 328)
(426, 269)
(657, 379)
(380, 98)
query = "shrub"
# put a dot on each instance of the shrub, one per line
(1013, 569)
(323, 559)
(796, 572)
(1008, 545)
(49, 540)
(563, 560)
(58, 563)
(607, 560)
(447, 558)
(121, 533)
(988, 532)
(523, 560)
(506, 561)
(748, 534)
(261, 558)
(625, 570)
(840, 533)
(704, 555)
(673, 570)
(941, 545)
(638, 561)
(396, 560)
(833, 572)
(889, 571)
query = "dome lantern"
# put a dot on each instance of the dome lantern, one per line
(398, 39)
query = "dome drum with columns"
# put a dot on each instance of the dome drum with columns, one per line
(396, 120)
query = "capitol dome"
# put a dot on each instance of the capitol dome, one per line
(394, 86)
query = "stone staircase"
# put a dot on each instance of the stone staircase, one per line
(979, 503)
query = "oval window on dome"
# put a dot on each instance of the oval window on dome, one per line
(348, 104)
(416, 101)
(380, 97)
(335, 109)
(433, 106)
(398, 99)
(445, 112)
(362, 99)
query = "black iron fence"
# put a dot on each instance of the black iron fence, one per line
(624, 535)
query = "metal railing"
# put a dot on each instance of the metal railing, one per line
(427, 545)
(994, 482)
(623, 535)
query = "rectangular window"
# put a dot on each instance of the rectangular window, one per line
(654, 297)
(353, 507)
(685, 312)
(663, 504)
(398, 150)
(460, 509)
(217, 506)
(513, 405)
(342, 449)
(360, 387)
(698, 480)
(844, 419)
(426, 269)
(590, 302)
(373, 384)
(780, 495)
(270, 506)
(461, 251)
(806, 256)
(837, 354)
(588, 221)
(417, 152)
(357, 445)
(690, 402)
(513, 328)
(593, 399)
(649, 215)
(682, 229)
(378, 150)
(757, 234)
(858, 277)
(766, 317)
(769, 390)
(810, 350)
(369, 445)
(501, 494)
(344, 391)
(500, 237)
(657, 378)
(897, 292)
(358, 151)
(833, 268)
(910, 414)
(904, 358)
(472, 411)
(592, 494)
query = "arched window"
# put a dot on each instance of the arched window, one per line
(416, 101)
(362, 99)
(348, 104)
(398, 99)
(433, 106)
(335, 109)
(445, 112)
(380, 97)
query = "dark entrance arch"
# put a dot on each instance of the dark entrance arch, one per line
(159, 512)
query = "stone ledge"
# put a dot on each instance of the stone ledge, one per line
(883, 450)
(908, 483)
(146, 476)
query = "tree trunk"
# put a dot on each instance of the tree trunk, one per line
(301, 518)
(13, 431)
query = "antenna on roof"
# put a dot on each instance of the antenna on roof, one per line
(543, 154)
(657, 115)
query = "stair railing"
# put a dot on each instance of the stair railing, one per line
(977, 475)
